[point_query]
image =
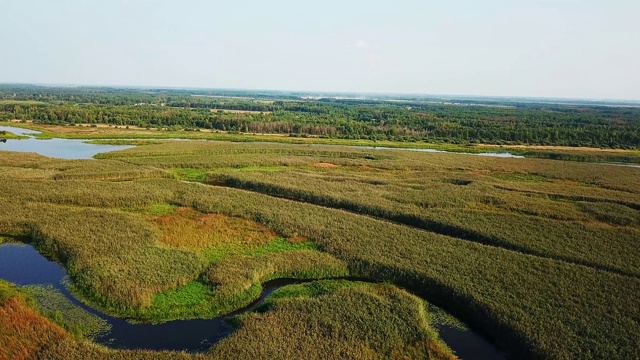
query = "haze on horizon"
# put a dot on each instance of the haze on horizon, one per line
(539, 48)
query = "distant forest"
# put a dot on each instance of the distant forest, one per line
(409, 119)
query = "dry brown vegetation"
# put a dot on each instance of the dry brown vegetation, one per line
(325, 165)
(188, 229)
(18, 328)
(27, 335)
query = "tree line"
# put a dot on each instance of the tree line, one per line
(541, 124)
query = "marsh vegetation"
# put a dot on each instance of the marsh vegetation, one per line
(539, 256)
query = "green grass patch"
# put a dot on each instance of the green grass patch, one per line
(235, 283)
(237, 263)
(192, 294)
(186, 174)
(8, 290)
(220, 252)
(9, 135)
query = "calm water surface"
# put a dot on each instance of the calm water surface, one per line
(78, 149)
(55, 148)
(492, 154)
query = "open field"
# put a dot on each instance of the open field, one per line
(539, 256)
(242, 111)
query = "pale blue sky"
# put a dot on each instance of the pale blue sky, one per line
(563, 48)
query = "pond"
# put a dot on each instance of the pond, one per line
(55, 148)
(23, 265)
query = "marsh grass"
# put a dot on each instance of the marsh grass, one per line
(440, 317)
(132, 142)
(54, 305)
(520, 177)
(338, 320)
(538, 306)
(191, 230)
(189, 174)
(194, 294)
(25, 334)
(121, 136)
(469, 208)
(153, 209)
(9, 135)
(312, 289)
(217, 253)
(353, 321)
(234, 282)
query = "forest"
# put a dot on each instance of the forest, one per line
(409, 119)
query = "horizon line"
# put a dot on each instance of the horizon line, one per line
(323, 92)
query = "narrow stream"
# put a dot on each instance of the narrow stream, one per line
(23, 265)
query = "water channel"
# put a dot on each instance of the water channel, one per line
(23, 265)
(79, 149)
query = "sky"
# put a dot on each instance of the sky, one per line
(538, 48)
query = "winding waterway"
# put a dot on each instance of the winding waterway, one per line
(79, 149)
(23, 265)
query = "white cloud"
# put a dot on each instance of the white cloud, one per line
(361, 44)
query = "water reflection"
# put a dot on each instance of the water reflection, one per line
(55, 148)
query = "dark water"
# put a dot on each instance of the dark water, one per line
(468, 345)
(56, 148)
(24, 265)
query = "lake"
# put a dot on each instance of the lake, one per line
(55, 148)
